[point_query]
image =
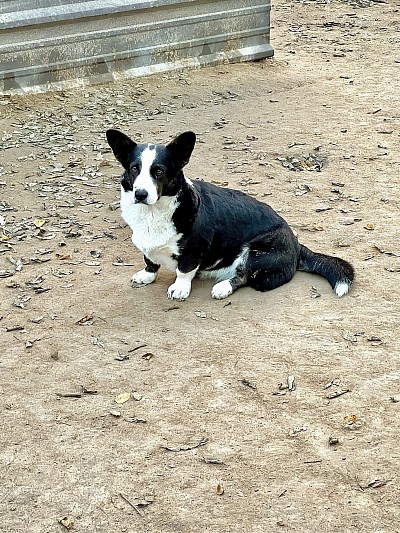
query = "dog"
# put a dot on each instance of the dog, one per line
(198, 229)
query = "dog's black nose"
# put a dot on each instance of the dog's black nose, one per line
(141, 195)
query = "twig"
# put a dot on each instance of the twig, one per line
(139, 512)
(15, 328)
(69, 395)
(137, 348)
(186, 447)
(336, 394)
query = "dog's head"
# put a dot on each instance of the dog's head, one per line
(151, 170)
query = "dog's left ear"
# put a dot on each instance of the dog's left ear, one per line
(182, 147)
(121, 145)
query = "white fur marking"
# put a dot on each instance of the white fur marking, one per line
(342, 288)
(144, 181)
(222, 289)
(143, 277)
(229, 272)
(180, 290)
(153, 231)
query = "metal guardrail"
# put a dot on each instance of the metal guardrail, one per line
(45, 44)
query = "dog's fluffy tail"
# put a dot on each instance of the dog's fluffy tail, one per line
(338, 272)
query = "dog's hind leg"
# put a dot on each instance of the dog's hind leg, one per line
(226, 287)
(148, 274)
(273, 259)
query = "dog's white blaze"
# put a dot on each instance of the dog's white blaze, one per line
(180, 290)
(228, 272)
(144, 181)
(153, 231)
(222, 289)
(342, 288)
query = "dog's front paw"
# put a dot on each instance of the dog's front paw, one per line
(222, 290)
(143, 277)
(179, 290)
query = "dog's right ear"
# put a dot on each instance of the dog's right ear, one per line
(121, 145)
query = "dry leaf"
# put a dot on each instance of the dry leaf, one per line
(353, 422)
(20, 301)
(376, 483)
(39, 222)
(136, 396)
(291, 383)
(66, 522)
(220, 490)
(383, 251)
(123, 397)
(337, 393)
(84, 319)
(194, 443)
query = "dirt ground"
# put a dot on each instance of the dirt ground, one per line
(211, 438)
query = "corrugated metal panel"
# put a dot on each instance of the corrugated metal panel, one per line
(54, 44)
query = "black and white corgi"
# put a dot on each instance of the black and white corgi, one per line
(199, 229)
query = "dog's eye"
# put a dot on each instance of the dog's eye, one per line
(134, 170)
(126, 182)
(158, 172)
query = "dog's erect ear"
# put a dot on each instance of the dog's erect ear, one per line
(182, 147)
(121, 145)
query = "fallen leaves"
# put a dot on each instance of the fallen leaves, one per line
(314, 292)
(383, 251)
(202, 314)
(310, 162)
(85, 319)
(336, 394)
(136, 396)
(339, 391)
(191, 444)
(353, 422)
(377, 483)
(17, 327)
(6, 273)
(84, 391)
(123, 397)
(374, 340)
(61, 272)
(296, 431)
(21, 301)
(66, 522)
(283, 388)
(248, 383)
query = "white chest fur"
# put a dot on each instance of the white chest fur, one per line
(153, 231)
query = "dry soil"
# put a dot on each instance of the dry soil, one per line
(211, 437)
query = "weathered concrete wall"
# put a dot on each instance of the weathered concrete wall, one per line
(58, 43)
